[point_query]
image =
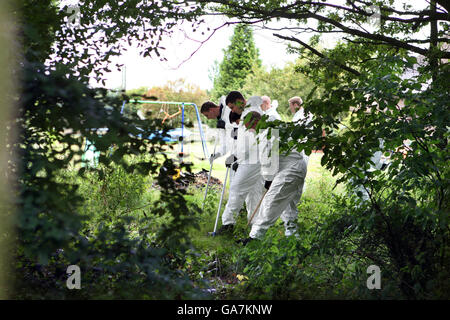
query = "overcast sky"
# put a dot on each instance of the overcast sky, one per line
(150, 72)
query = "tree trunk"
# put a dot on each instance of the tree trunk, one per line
(7, 86)
(434, 63)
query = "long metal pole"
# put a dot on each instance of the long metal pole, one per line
(210, 171)
(182, 132)
(220, 203)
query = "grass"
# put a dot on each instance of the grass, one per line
(220, 260)
(315, 176)
(277, 266)
(219, 263)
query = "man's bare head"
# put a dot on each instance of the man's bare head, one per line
(266, 104)
(253, 121)
(210, 110)
(295, 103)
(235, 101)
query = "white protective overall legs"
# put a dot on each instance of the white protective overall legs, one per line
(283, 196)
(247, 185)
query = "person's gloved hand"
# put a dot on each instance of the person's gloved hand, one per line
(230, 160)
(235, 166)
(234, 133)
(220, 124)
(214, 156)
(267, 184)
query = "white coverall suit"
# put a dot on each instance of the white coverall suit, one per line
(300, 115)
(225, 143)
(272, 112)
(286, 189)
(378, 160)
(247, 184)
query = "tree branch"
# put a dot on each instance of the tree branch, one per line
(246, 12)
(317, 53)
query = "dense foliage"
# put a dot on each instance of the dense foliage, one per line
(56, 224)
(403, 226)
(382, 89)
(386, 85)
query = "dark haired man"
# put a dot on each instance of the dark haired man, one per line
(227, 130)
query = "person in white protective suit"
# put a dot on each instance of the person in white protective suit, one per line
(247, 184)
(284, 176)
(270, 108)
(221, 113)
(227, 134)
(295, 105)
(380, 162)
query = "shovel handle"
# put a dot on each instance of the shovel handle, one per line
(257, 207)
(210, 171)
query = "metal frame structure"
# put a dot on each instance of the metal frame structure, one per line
(183, 105)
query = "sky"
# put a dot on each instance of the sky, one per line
(148, 72)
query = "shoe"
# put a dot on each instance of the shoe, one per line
(225, 229)
(245, 241)
(292, 232)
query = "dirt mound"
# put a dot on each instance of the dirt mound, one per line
(201, 179)
(198, 180)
